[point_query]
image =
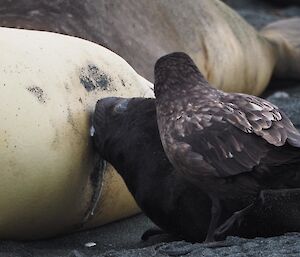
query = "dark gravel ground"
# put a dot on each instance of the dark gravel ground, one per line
(260, 13)
(122, 238)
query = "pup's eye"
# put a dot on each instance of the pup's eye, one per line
(121, 106)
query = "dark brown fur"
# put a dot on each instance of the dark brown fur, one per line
(127, 136)
(231, 146)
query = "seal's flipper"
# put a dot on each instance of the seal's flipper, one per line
(236, 218)
(284, 196)
(284, 36)
(151, 232)
(277, 214)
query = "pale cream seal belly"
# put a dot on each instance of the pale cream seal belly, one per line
(49, 85)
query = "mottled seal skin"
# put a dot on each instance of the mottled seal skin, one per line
(231, 146)
(126, 135)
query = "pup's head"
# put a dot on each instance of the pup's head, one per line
(107, 120)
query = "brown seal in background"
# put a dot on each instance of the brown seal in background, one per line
(231, 54)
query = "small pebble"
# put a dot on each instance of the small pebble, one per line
(90, 244)
(281, 94)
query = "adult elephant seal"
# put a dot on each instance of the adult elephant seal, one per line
(51, 182)
(231, 54)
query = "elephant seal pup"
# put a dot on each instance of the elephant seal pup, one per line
(232, 55)
(232, 146)
(126, 135)
(49, 86)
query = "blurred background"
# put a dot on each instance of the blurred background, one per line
(130, 28)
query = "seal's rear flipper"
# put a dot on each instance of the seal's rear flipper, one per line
(276, 215)
(284, 36)
(284, 196)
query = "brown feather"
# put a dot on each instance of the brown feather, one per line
(231, 146)
(231, 132)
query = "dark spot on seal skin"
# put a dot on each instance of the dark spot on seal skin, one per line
(67, 87)
(92, 78)
(38, 93)
(56, 140)
(70, 120)
(123, 83)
